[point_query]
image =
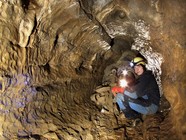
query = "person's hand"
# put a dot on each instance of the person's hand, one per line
(117, 89)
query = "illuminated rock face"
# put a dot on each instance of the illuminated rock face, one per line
(54, 53)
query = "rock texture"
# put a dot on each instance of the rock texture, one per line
(55, 56)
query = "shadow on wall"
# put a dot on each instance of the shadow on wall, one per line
(2, 85)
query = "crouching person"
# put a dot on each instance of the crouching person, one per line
(143, 97)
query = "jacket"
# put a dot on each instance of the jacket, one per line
(147, 89)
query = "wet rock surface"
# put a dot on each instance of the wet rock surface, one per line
(58, 60)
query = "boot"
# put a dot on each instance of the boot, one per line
(131, 114)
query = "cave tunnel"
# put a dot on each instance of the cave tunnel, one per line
(58, 61)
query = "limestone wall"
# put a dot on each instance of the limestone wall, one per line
(53, 55)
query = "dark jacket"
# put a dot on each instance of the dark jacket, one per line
(147, 86)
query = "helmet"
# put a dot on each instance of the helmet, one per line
(137, 61)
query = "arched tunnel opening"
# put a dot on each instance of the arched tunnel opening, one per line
(59, 61)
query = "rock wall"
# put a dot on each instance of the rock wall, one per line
(54, 53)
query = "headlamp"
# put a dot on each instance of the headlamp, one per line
(134, 63)
(131, 64)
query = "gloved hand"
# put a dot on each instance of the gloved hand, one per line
(117, 89)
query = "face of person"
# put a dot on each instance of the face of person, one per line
(138, 69)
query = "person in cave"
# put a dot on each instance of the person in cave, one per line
(143, 97)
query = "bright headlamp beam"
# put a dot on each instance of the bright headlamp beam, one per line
(123, 83)
(131, 64)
